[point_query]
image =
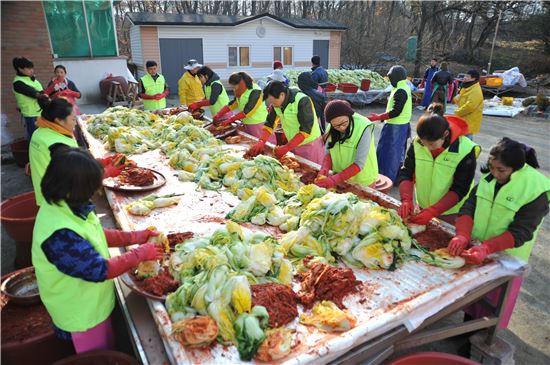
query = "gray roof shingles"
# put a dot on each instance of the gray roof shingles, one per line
(225, 20)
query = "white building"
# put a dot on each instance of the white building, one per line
(229, 44)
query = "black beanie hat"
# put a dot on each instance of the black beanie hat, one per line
(338, 108)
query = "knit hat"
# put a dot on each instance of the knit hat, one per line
(338, 108)
(277, 64)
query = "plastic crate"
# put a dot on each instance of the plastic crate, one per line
(347, 87)
(330, 88)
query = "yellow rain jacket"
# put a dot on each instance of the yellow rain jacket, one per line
(470, 106)
(189, 89)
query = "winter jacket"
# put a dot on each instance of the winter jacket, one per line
(309, 87)
(470, 106)
(189, 89)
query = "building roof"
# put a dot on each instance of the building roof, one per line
(226, 20)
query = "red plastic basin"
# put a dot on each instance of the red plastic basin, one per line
(365, 85)
(20, 151)
(347, 87)
(432, 358)
(18, 215)
(330, 88)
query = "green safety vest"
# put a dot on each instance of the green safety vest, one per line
(290, 123)
(259, 115)
(435, 177)
(153, 87)
(222, 101)
(406, 113)
(29, 106)
(40, 156)
(75, 305)
(343, 154)
(493, 214)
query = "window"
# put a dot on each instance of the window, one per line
(239, 56)
(287, 59)
(283, 54)
(81, 28)
(276, 53)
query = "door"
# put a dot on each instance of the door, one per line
(320, 48)
(174, 54)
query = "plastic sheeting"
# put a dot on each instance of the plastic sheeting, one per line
(512, 77)
(360, 99)
(387, 300)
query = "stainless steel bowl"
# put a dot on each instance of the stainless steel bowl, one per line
(22, 287)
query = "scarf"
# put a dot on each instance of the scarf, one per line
(43, 123)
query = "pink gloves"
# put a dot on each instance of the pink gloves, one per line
(118, 265)
(117, 238)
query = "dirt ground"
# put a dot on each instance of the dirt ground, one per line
(529, 330)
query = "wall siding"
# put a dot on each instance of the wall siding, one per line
(217, 39)
(150, 46)
(135, 45)
(21, 39)
(334, 48)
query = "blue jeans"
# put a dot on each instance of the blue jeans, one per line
(30, 124)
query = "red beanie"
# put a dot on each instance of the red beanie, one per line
(277, 64)
(338, 108)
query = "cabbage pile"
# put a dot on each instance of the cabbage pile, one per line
(216, 273)
(241, 176)
(134, 131)
(348, 76)
(276, 208)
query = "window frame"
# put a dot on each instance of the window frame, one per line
(282, 52)
(238, 47)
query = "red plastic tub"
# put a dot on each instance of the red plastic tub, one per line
(432, 358)
(365, 85)
(347, 87)
(20, 151)
(330, 88)
(41, 348)
(17, 215)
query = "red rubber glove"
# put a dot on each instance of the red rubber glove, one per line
(477, 254)
(111, 171)
(158, 96)
(280, 151)
(147, 96)
(199, 104)
(258, 148)
(327, 182)
(406, 188)
(226, 109)
(460, 241)
(233, 118)
(326, 166)
(71, 93)
(51, 88)
(342, 176)
(424, 217)
(118, 265)
(117, 238)
(448, 201)
(374, 117)
(346, 173)
(105, 161)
